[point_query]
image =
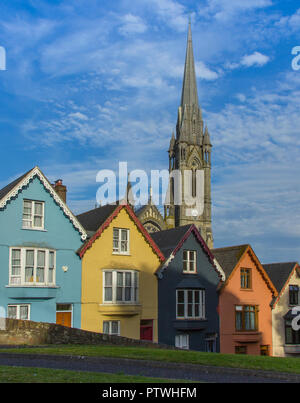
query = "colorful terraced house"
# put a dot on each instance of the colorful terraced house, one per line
(286, 278)
(188, 283)
(119, 286)
(245, 302)
(40, 276)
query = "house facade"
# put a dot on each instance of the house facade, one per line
(119, 286)
(188, 284)
(286, 278)
(40, 278)
(244, 302)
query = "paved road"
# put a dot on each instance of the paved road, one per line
(146, 368)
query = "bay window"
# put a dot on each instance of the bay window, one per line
(190, 304)
(246, 318)
(30, 266)
(120, 286)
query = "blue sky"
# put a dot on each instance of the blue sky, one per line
(91, 83)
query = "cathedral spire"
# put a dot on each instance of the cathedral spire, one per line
(189, 89)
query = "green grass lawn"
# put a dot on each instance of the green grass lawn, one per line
(291, 365)
(42, 375)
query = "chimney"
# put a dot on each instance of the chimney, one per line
(60, 189)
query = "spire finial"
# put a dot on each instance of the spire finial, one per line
(189, 89)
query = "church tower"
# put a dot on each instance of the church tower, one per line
(190, 151)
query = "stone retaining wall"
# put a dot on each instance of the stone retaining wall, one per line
(25, 332)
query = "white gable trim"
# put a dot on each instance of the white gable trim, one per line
(25, 181)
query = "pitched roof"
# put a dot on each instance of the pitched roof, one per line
(171, 240)
(11, 190)
(4, 191)
(228, 257)
(167, 240)
(279, 273)
(91, 220)
(99, 219)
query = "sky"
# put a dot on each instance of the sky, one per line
(89, 83)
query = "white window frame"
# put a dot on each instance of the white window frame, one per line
(191, 258)
(110, 323)
(117, 250)
(182, 341)
(186, 304)
(134, 287)
(31, 225)
(22, 276)
(18, 306)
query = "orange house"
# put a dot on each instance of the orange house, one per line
(244, 302)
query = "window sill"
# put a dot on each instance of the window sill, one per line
(121, 253)
(34, 229)
(31, 286)
(120, 309)
(246, 289)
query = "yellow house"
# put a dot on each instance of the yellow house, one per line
(119, 286)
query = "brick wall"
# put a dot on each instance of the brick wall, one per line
(25, 332)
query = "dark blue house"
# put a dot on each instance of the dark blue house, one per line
(188, 284)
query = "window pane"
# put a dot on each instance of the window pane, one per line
(106, 327)
(124, 233)
(24, 312)
(12, 312)
(114, 327)
(120, 279)
(38, 222)
(51, 259)
(127, 294)
(239, 321)
(128, 279)
(119, 293)
(108, 279)
(108, 294)
(41, 258)
(29, 258)
(180, 296)
(180, 310)
(38, 209)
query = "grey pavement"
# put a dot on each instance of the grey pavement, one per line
(155, 369)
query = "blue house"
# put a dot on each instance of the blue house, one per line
(188, 284)
(40, 277)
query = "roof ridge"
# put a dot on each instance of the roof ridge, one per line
(231, 247)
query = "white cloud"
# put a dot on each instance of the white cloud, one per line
(223, 10)
(202, 71)
(255, 59)
(132, 24)
(78, 115)
(291, 22)
(172, 12)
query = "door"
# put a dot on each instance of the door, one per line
(64, 318)
(64, 314)
(146, 330)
